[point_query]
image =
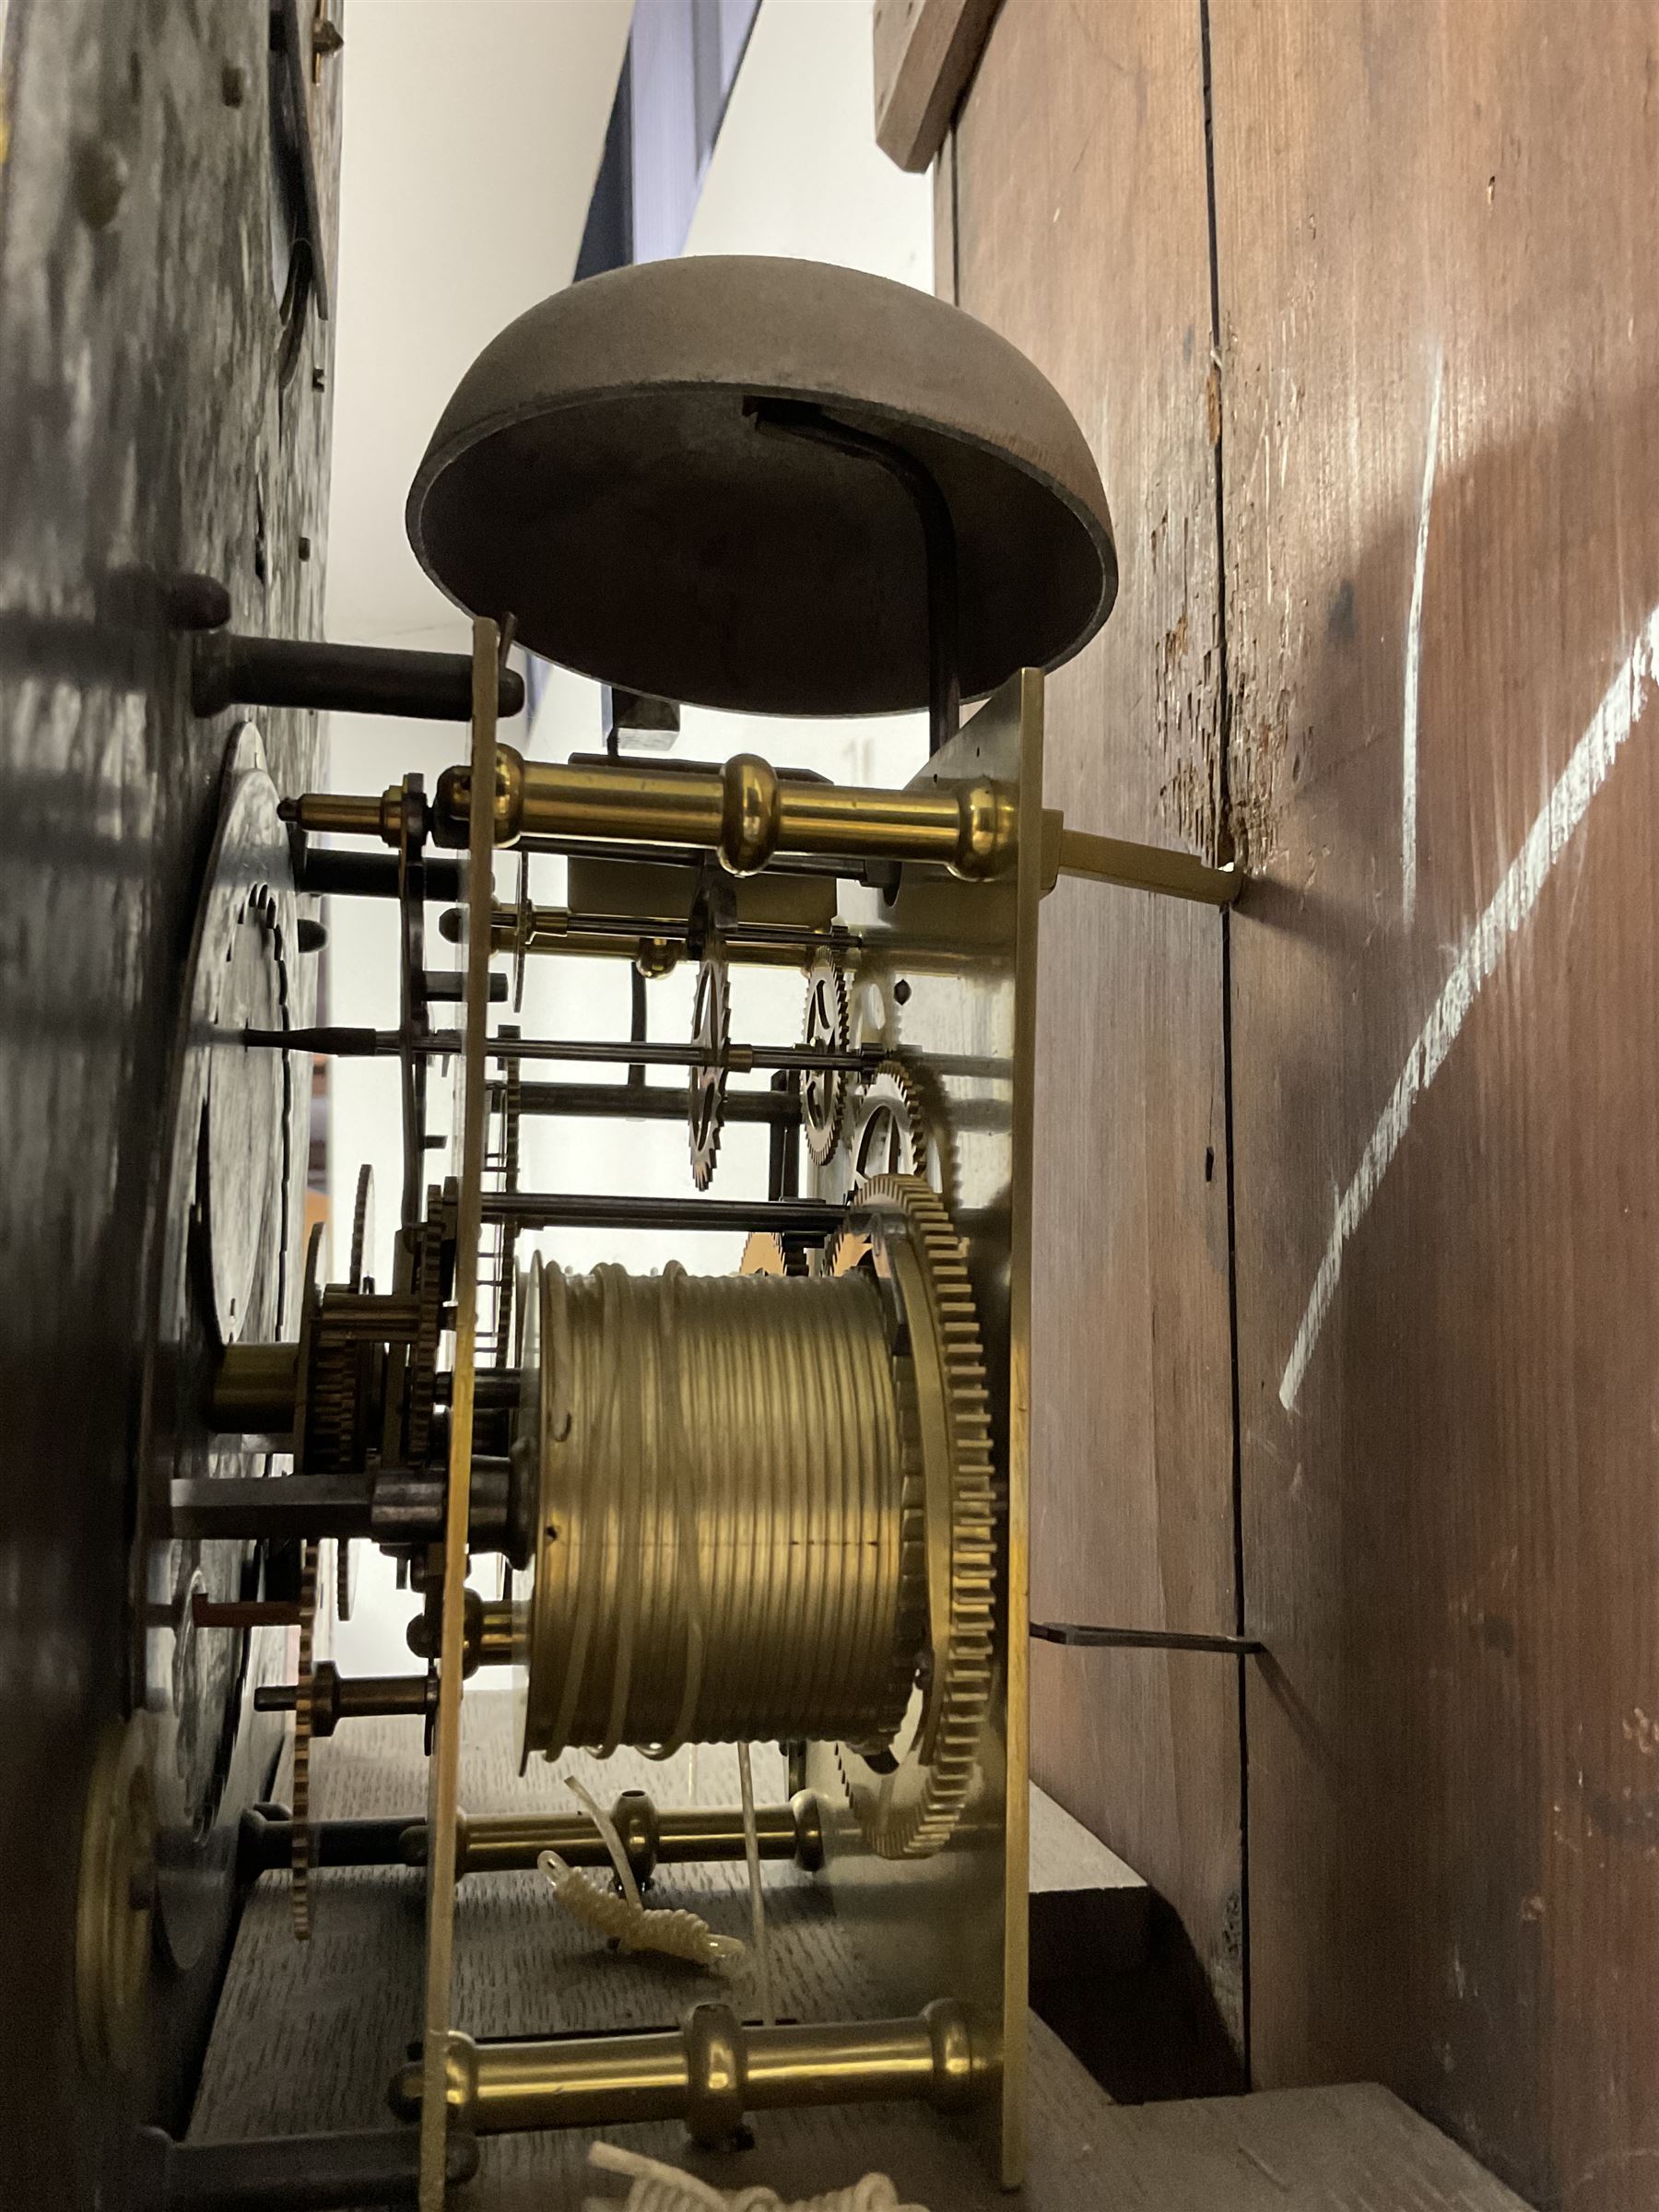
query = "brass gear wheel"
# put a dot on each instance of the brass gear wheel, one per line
(826, 1029)
(345, 1578)
(891, 1135)
(332, 1399)
(300, 1836)
(423, 1354)
(907, 1805)
(363, 1227)
(711, 1033)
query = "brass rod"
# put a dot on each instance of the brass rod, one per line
(1147, 868)
(652, 1837)
(710, 2073)
(346, 814)
(252, 1389)
(744, 814)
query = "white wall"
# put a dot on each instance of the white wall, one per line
(471, 136)
(795, 172)
(797, 169)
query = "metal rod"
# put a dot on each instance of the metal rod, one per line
(243, 1613)
(647, 1102)
(495, 1390)
(230, 670)
(744, 813)
(804, 418)
(877, 874)
(511, 1843)
(638, 1011)
(291, 1505)
(252, 1391)
(557, 929)
(652, 1837)
(287, 2173)
(784, 1156)
(1145, 867)
(335, 1697)
(402, 1508)
(552, 1209)
(264, 1841)
(709, 2073)
(443, 1045)
(332, 872)
(1145, 1640)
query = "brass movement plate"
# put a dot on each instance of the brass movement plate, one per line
(443, 1781)
(947, 980)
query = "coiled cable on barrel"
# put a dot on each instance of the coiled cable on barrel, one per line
(660, 2188)
(731, 1509)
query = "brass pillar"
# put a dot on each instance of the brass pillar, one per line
(709, 2072)
(745, 813)
(652, 1837)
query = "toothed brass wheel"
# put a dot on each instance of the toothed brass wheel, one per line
(712, 1031)
(826, 1029)
(908, 1796)
(362, 1229)
(300, 1843)
(890, 1134)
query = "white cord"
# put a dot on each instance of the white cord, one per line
(608, 1835)
(659, 2188)
(637, 1927)
(751, 1851)
(627, 1919)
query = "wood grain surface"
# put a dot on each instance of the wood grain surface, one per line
(925, 53)
(1436, 397)
(308, 2036)
(1082, 236)
(1441, 391)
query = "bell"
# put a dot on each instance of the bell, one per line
(604, 475)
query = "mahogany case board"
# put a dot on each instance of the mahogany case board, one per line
(1440, 388)
(1081, 234)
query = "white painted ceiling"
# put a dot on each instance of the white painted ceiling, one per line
(472, 135)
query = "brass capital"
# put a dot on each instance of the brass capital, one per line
(750, 814)
(716, 2074)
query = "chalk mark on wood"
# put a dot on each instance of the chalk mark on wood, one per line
(1414, 648)
(1592, 756)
